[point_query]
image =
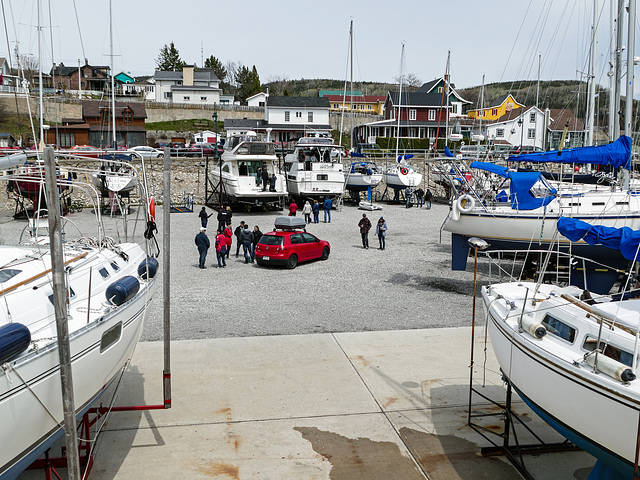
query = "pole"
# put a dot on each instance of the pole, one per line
(473, 326)
(592, 76)
(612, 61)
(40, 92)
(60, 308)
(618, 66)
(166, 276)
(215, 152)
(113, 91)
(628, 108)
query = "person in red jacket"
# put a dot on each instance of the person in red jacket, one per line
(293, 208)
(228, 233)
(221, 248)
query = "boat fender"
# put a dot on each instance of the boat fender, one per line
(465, 203)
(611, 367)
(153, 268)
(122, 290)
(455, 213)
(14, 338)
(151, 214)
(533, 328)
(404, 170)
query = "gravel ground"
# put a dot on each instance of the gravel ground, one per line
(409, 285)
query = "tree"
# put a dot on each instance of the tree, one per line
(169, 59)
(30, 66)
(410, 82)
(216, 65)
(247, 82)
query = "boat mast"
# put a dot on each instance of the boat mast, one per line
(113, 92)
(592, 76)
(447, 92)
(351, 78)
(41, 116)
(399, 101)
(628, 110)
(618, 70)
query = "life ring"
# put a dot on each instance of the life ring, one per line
(404, 170)
(151, 214)
(465, 203)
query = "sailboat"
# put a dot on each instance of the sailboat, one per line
(401, 175)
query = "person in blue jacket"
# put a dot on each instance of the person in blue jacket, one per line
(203, 244)
(315, 208)
(381, 232)
(327, 209)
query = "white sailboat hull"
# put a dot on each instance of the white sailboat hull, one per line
(399, 180)
(359, 181)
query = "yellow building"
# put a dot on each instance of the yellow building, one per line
(373, 104)
(507, 104)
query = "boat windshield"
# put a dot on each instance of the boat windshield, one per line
(256, 148)
(236, 140)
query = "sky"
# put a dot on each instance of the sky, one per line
(502, 40)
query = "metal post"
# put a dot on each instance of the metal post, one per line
(215, 152)
(166, 276)
(60, 308)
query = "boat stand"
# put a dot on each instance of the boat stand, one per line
(512, 423)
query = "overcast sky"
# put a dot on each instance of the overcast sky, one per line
(501, 39)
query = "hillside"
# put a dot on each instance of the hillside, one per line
(309, 87)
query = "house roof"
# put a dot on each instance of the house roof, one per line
(500, 102)
(299, 102)
(202, 74)
(259, 94)
(429, 86)
(357, 98)
(5, 135)
(560, 117)
(94, 109)
(250, 123)
(66, 71)
(120, 128)
(328, 93)
(415, 99)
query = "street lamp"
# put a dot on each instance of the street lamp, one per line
(520, 122)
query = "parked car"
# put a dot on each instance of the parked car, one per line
(87, 151)
(147, 152)
(290, 244)
(520, 149)
(205, 149)
(500, 151)
(161, 145)
(475, 151)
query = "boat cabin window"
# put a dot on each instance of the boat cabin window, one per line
(322, 176)
(271, 240)
(225, 168)
(541, 189)
(71, 294)
(110, 337)
(559, 328)
(608, 350)
(115, 266)
(7, 274)
(103, 272)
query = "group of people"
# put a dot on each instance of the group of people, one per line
(308, 210)
(263, 175)
(381, 231)
(422, 197)
(246, 238)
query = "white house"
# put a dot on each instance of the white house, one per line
(189, 86)
(258, 100)
(206, 136)
(522, 126)
(143, 86)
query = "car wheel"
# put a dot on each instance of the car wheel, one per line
(325, 253)
(292, 262)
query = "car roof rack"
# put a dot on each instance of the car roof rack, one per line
(290, 223)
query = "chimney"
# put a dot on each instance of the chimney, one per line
(187, 75)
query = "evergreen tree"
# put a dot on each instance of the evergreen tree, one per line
(169, 59)
(216, 65)
(248, 82)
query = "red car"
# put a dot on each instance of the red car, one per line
(289, 244)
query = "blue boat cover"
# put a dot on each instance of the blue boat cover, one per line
(617, 154)
(491, 167)
(404, 157)
(447, 152)
(624, 239)
(356, 154)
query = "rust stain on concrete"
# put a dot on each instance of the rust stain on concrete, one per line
(386, 402)
(215, 469)
(362, 360)
(360, 458)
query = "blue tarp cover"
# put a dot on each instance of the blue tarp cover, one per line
(491, 167)
(624, 239)
(617, 154)
(447, 152)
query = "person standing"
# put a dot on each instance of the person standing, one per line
(222, 218)
(265, 179)
(419, 197)
(247, 236)
(381, 231)
(255, 238)
(327, 209)
(229, 215)
(238, 233)
(203, 244)
(316, 211)
(221, 249)
(293, 208)
(228, 235)
(365, 226)
(306, 210)
(204, 218)
(428, 197)
(407, 193)
(272, 182)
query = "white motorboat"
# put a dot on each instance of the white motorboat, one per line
(314, 169)
(362, 175)
(241, 165)
(109, 289)
(545, 339)
(370, 206)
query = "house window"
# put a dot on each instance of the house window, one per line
(412, 132)
(494, 111)
(432, 115)
(287, 116)
(168, 95)
(440, 89)
(298, 114)
(412, 114)
(500, 132)
(105, 116)
(66, 139)
(128, 116)
(203, 99)
(532, 118)
(310, 119)
(531, 133)
(186, 98)
(369, 107)
(261, 104)
(336, 106)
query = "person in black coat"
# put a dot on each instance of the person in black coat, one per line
(238, 233)
(265, 179)
(204, 218)
(222, 218)
(203, 244)
(255, 238)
